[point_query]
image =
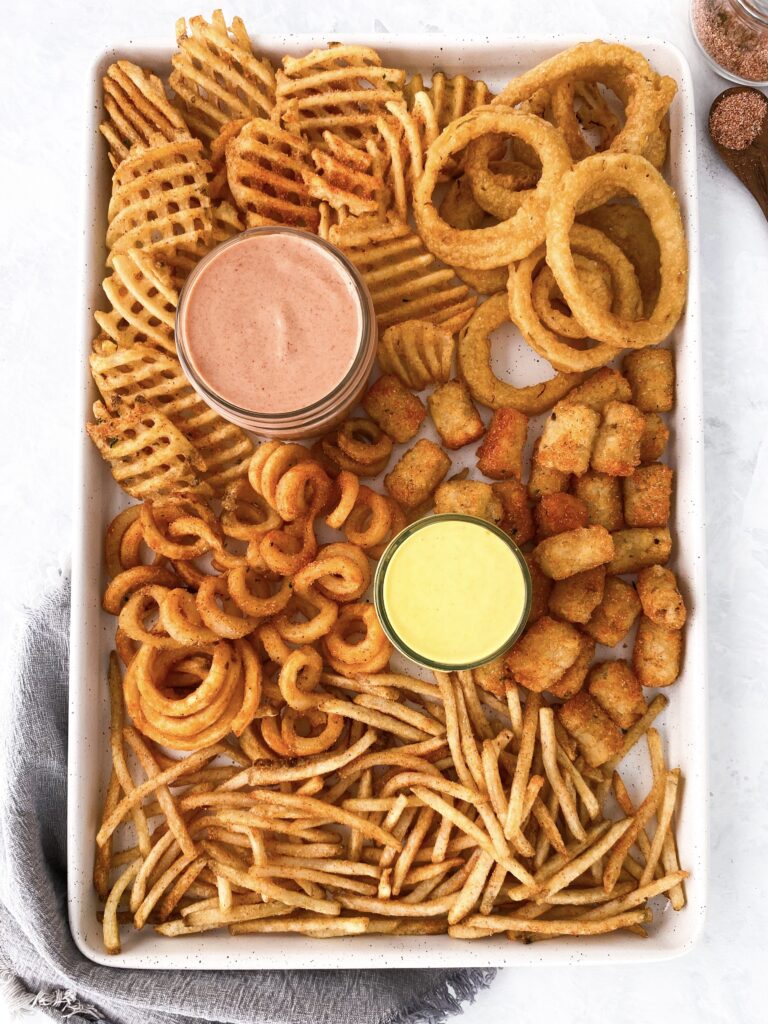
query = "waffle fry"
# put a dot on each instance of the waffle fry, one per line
(405, 281)
(345, 177)
(143, 295)
(147, 455)
(343, 89)
(137, 109)
(417, 352)
(160, 201)
(451, 97)
(216, 76)
(124, 375)
(265, 170)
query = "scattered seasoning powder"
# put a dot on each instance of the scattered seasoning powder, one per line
(731, 40)
(737, 119)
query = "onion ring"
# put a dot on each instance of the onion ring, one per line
(627, 301)
(497, 246)
(628, 227)
(614, 174)
(485, 387)
(647, 94)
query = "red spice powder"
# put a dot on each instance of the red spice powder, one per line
(737, 119)
(733, 41)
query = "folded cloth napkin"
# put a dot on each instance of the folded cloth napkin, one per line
(39, 962)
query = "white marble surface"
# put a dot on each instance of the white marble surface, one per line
(45, 52)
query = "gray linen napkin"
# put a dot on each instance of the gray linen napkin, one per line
(39, 962)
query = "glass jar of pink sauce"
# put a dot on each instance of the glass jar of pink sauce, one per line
(276, 331)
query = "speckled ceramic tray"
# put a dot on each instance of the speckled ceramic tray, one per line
(683, 724)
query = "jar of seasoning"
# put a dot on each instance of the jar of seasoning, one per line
(733, 36)
(276, 331)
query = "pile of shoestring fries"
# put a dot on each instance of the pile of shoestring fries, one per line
(439, 809)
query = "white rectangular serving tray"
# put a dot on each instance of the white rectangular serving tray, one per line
(683, 724)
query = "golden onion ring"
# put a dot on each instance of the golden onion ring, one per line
(627, 301)
(515, 238)
(617, 174)
(485, 387)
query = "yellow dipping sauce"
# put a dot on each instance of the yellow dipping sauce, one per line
(455, 592)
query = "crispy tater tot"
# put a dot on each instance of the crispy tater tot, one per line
(470, 498)
(597, 734)
(658, 653)
(648, 495)
(654, 439)
(517, 518)
(614, 616)
(637, 548)
(602, 496)
(544, 653)
(543, 479)
(455, 417)
(651, 375)
(660, 597)
(568, 437)
(394, 408)
(572, 680)
(604, 386)
(500, 456)
(417, 474)
(565, 554)
(576, 597)
(617, 690)
(617, 444)
(556, 513)
(541, 587)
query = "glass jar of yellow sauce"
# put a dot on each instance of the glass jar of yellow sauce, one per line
(452, 592)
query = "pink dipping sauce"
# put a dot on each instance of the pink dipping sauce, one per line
(272, 323)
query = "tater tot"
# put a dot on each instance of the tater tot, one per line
(500, 456)
(394, 408)
(517, 519)
(598, 735)
(660, 597)
(544, 480)
(654, 439)
(639, 547)
(576, 598)
(651, 375)
(556, 513)
(603, 386)
(568, 437)
(602, 496)
(573, 679)
(456, 419)
(648, 495)
(417, 474)
(617, 444)
(565, 554)
(615, 615)
(543, 654)
(494, 676)
(658, 653)
(469, 498)
(541, 587)
(617, 690)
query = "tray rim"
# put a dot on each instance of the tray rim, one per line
(386, 952)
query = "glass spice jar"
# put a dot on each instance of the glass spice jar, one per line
(733, 36)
